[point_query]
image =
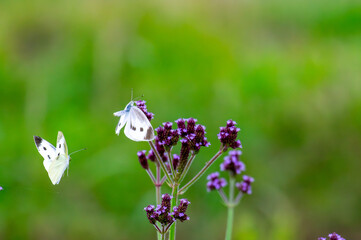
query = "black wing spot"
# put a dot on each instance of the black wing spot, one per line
(60, 145)
(44, 148)
(149, 134)
(133, 128)
(58, 154)
(37, 140)
(49, 156)
(141, 129)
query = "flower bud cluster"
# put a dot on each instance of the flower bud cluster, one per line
(214, 182)
(228, 136)
(332, 236)
(162, 213)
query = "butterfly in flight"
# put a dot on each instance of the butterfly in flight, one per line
(56, 159)
(138, 127)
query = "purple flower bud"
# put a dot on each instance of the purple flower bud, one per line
(150, 214)
(181, 127)
(245, 185)
(184, 154)
(321, 238)
(179, 211)
(1, 188)
(141, 105)
(214, 182)
(143, 159)
(232, 164)
(176, 160)
(191, 122)
(228, 136)
(151, 156)
(166, 198)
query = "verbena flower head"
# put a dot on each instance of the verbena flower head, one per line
(162, 213)
(143, 159)
(332, 236)
(214, 182)
(1, 188)
(228, 136)
(166, 136)
(335, 236)
(232, 163)
(245, 185)
(141, 105)
(179, 212)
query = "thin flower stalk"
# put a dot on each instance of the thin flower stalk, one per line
(164, 168)
(188, 165)
(204, 169)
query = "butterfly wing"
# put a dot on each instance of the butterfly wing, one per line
(123, 119)
(61, 147)
(57, 168)
(138, 127)
(46, 150)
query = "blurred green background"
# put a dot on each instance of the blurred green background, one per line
(288, 72)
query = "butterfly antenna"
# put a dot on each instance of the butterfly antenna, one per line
(77, 151)
(139, 97)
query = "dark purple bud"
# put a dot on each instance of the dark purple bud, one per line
(151, 156)
(228, 136)
(176, 159)
(166, 198)
(184, 154)
(143, 159)
(150, 214)
(181, 127)
(213, 176)
(179, 212)
(191, 123)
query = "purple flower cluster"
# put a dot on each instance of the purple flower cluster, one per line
(1, 188)
(233, 164)
(332, 236)
(194, 133)
(214, 182)
(228, 136)
(245, 185)
(162, 213)
(179, 212)
(141, 105)
(166, 136)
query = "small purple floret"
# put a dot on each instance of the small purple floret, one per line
(245, 185)
(232, 163)
(214, 182)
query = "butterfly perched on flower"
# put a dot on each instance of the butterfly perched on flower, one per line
(137, 125)
(56, 159)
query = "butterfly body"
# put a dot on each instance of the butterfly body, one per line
(137, 125)
(56, 159)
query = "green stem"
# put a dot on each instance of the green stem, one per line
(230, 209)
(185, 171)
(158, 193)
(196, 177)
(172, 230)
(170, 161)
(160, 161)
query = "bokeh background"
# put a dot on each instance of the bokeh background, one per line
(287, 71)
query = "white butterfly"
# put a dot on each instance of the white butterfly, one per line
(56, 160)
(138, 127)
